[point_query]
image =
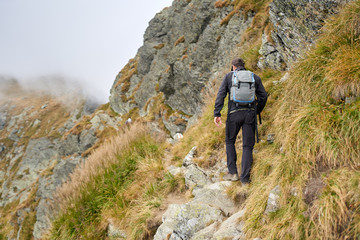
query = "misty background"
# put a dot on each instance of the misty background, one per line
(81, 42)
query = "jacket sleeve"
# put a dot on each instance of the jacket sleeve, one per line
(260, 93)
(219, 102)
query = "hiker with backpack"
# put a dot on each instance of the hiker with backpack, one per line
(247, 98)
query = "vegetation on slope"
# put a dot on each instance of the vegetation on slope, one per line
(315, 158)
(314, 116)
(123, 182)
(42, 117)
(319, 137)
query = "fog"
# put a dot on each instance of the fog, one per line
(82, 42)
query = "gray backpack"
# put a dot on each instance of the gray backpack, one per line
(242, 90)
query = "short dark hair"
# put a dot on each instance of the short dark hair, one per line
(238, 62)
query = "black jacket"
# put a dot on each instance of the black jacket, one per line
(224, 89)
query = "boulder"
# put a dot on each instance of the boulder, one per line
(40, 154)
(195, 177)
(42, 223)
(206, 233)
(215, 196)
(231, 228)
(115, 233)
(189, 157)
(273, 200)
(184, 220)
(296, 24)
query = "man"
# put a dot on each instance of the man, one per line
(239, 116)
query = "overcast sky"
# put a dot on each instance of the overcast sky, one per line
(86, 40)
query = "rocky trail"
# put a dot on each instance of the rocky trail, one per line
(211, 213)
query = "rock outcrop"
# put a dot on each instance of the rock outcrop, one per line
(184, 46)
(40, 146)
(296, 25)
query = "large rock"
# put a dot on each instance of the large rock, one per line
(296, 25)
(40, 154)
(184, 46)
(183, 221)
(231, 228)
(189, 157)
(273, 200)
(215, 196)
(195, 177)
(78, 143)
(46, 188)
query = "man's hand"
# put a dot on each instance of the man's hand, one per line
(217, 121)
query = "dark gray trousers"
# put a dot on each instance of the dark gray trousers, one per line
(244, 119)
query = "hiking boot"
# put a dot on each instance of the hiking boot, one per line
(231, 177)
(245, 184)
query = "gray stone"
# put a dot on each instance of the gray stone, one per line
(40, 154)
(36, 122)
(350, 100)
(273, 200)
(170, 141)
(283, 78)
(296, 25)
(271, 58)
(44, 106)
(183, 221)
(176, 170)
(13, 135)
(231, 227)
(195, 177)
(101, 119)
(116, 233)
(3, 116)
(271, 138)
(2, 148)
(171, 125)
(215, 195)
(78, 143)
(89, 107)
(294, 192)
(43, 222)
(46, 188)
(189, 157)
(206, 233)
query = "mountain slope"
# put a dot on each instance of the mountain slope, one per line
(119, 180)
(304, 161)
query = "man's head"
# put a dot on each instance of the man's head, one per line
(238, 63)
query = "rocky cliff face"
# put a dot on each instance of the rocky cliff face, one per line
(41, 143)
(187, 45)
(296, 25)
(184, 46)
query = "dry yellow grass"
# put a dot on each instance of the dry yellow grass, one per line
(126, 73)
(222, 3)
(160, 46)
(103, 157)
(179, 40)
(318, 136)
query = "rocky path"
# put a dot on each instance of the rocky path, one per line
(210, 214)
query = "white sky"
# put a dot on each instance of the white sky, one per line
(86, 40)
